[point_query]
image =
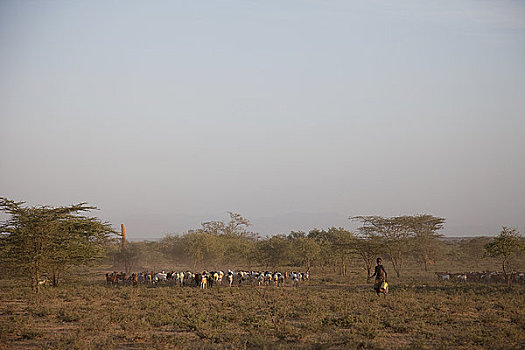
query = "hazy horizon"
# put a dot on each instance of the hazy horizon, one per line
(295, 114)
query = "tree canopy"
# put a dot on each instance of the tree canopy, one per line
(508, 243)
(43, 239)
(397, 234)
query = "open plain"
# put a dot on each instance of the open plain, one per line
(326, 312)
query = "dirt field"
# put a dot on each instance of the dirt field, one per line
(323, 313)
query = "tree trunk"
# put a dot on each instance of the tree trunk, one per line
(507, 278)
(56, 278)
(37, 281)
(36, 276)
(128, 266)
(396, 267)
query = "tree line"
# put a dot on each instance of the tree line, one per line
(403, 240)
(36, 241)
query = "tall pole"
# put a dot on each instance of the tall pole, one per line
(123, 231)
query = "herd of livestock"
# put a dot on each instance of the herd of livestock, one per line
(207, 279)
(486, 276)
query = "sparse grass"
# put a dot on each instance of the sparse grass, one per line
(325, 313)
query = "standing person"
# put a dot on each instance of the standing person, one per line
(380, 275)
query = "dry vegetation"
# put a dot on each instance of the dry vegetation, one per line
(327, 312)
(335, 309)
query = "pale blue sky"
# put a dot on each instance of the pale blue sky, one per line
(296, 114)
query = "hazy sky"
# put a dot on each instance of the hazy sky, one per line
(296, 114)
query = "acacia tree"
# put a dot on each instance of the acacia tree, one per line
(508, 243)
(471, 252)
(77, 240)
(127, 256)
(304, 250)
(368, 248)
(325, 242)
(237, 226)
(395, 233)
(203, 247)
(342, 245)
(37, 240)
(211, 241)
(273, 251)
(425, 241)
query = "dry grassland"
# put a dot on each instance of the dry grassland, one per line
(324, 313)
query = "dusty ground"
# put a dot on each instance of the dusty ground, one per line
(319, 314)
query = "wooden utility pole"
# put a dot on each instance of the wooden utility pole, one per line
(123, 231)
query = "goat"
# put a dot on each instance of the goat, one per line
(229, 277)
(443, 276)
(160, 277)
(295, 278)
(198, 279)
